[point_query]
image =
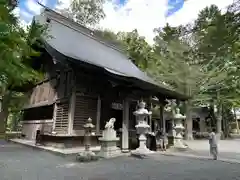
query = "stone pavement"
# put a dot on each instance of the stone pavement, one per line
(23, 163)
(60, 151)
(229, 150)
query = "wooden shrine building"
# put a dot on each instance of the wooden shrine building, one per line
(84, 77)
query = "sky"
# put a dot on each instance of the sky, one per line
(126, 15)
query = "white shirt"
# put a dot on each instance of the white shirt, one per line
(212, 139)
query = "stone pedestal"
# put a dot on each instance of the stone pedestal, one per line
(109, 147)
(142, 129)
(234, 133)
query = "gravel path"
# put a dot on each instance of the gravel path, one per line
(23, 163)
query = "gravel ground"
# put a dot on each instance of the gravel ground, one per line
(23, 163)
(228, 149)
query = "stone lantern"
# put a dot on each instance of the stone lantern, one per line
(142, 129)
(178, 138)
(87, 154)
(88, 133)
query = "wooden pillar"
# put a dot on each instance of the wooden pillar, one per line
(162, 119)
(54, 117)
(125, 126)
(55, 96)
(162, 122)
(72, 104)
(98, 115)
(150, 119)
(71, 112)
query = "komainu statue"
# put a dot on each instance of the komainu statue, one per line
(110, 123)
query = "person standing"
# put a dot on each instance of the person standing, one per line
(162, 137)
(213, 144)
(165, 140)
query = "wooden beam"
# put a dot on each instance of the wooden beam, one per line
(71, 111)
(98, 115)
(125, 126)
(54, 116)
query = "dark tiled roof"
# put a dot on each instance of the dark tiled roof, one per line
(77, 42)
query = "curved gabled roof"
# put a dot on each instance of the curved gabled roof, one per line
(76, 41)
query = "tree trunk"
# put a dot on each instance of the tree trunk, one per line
(219, 120)
(4, 114)
(189, 123)
(2, 122)
(2, 126)
(236, 121)
(213, 117)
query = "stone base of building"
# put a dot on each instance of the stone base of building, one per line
(65, 141)
(235, 135)
(2, 135)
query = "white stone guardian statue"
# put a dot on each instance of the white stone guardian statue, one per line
(110, 123)
(109, 140)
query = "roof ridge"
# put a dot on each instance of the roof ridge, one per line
(90, 32)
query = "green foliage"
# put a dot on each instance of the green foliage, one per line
(16, 52)
(16, 49)
(14, 119)
(134, 45)
(202, 58)
(138, 50)
(85, 12)
(110, 37)
(219, 38)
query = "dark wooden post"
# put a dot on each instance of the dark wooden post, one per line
(125, 126)
(162, 122)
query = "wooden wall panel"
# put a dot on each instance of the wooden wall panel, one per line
(65, 85)
(42, 93)
(86, 106)
(61, 121)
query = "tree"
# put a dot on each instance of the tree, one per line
(137, 48)
(197, 59)
(177, 65)
(85, 12)
(219, 37)
(16, 50)
(134, 45)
